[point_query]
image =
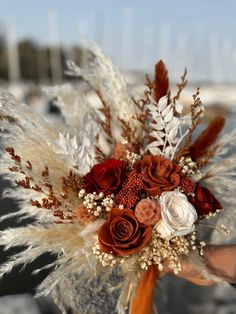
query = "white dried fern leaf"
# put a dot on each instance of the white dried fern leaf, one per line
(78, 152)
(167, 124)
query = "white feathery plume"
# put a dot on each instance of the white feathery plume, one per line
(73, 102)
(105, 79)
(129, 284)
(61, 240)
(32, 139)
(91, 228)
(222, 170)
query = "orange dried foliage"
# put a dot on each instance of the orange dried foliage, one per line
(161, 81)
(196, 113)
(100, 156)
(106, 124)
(181, 85)
(51, 201)
(207, 138)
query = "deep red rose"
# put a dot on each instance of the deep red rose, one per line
(204, 201)
(159, 174)
(105, 177)
(122, 234)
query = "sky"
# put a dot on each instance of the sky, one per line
(134, 32)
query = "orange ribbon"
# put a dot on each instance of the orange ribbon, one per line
(142, 302)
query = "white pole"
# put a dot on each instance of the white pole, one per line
(226, 58)
(147, 50)
(127, 40)
(13, 55)
(180, 56)
(55, 54)
(215, 58)
(99, 28)
(83, 29)
(164, 43)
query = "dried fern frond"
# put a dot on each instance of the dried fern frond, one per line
(181, 86)
(194, 118)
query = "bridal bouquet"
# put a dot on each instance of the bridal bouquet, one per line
(125, 186)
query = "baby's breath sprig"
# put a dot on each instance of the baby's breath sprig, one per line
(189, 167)
(161, 251)
(107, 259)
(221, 228)
(132, 157)
(97, 204)
(210, 214)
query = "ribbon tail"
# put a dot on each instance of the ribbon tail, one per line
(142, 301)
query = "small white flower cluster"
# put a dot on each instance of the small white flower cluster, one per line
(170, 251)
(220, 228)
(211, 215)
(224, 230)
(96, 203)
(132, 157)
(189, 167)
(106, 259)
(161, 250)
(192, 238)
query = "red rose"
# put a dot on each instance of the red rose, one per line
(204, 201)
(122, 234)
(105, 177)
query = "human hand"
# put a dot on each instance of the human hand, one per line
(220, 261)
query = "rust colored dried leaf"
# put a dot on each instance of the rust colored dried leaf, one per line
(100, 156)
(106, 124)
(70, 184)
(14, 157)
(29, 165)
(45, 172)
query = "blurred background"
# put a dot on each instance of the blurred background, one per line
(38, 37)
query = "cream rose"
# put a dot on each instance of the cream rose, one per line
(178, 215)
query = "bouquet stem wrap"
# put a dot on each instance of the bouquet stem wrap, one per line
(139, 303)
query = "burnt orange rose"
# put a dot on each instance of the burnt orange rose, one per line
(159, 174)
(122, 234)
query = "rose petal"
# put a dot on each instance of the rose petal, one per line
(115, 231)
(104, 234)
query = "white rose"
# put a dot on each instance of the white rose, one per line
(178, 215)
